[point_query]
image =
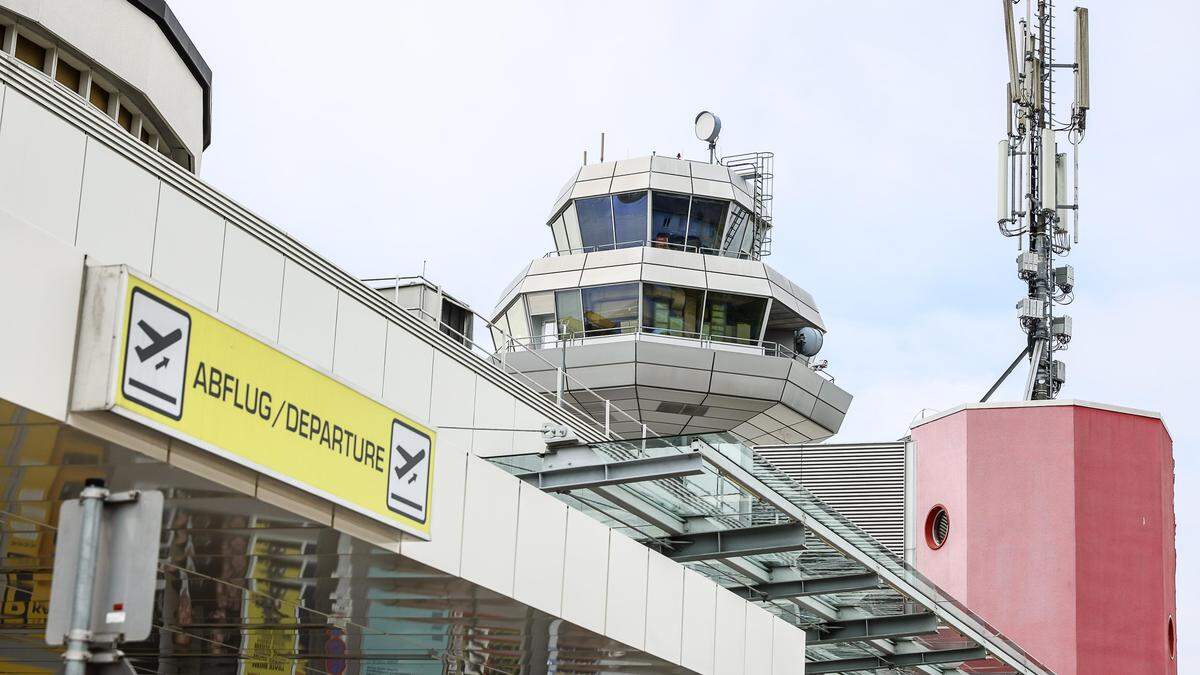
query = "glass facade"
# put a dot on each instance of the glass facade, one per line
(706, 224)
(629, 218)
(625, 308)
(595, 223)
(659, 219)
(668, 220)
(733, 318)
(608, 310)
(672, 310)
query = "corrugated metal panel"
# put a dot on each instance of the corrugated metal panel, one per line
(863, 481)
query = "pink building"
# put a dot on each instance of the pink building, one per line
(1054, 521)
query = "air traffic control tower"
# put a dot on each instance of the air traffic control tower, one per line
(656, 313)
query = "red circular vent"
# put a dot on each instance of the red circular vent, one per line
(937, 527)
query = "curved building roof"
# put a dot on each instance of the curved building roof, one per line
(161, 13)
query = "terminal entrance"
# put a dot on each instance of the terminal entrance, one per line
(246, 588)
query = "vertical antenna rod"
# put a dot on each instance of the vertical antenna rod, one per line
(1033, 184)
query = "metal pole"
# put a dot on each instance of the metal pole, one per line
(607, 418)
(79, 638)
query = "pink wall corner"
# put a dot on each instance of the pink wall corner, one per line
(1126, 549)
(940, 463)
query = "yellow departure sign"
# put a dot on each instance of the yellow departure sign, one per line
(201, 379)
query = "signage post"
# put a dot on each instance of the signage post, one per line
(105, 569)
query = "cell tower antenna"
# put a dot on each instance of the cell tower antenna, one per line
(1032, 200)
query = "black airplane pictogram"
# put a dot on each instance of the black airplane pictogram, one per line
(410, 462)
(157, 342)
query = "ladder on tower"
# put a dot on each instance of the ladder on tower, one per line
(757, 169)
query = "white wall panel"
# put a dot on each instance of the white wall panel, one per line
(699, 622)
(759, 639)
(674, 276)
(541, 546)
(729, 645)
(625, 614)
(708, 171)
(664, 607)
(787, 648)
(610, 275)
(308, 315)
(489, 544)
(453, 388)
(670, 183)
(42, 277)
(408, 373)
(189, 241)
(733, 283)
(444, 550)
(628, 183)
(359, 344)
(117, 209)
(495, 412)
(589, 188)
(528, 436)
(585, 575)
(251, 283)
(670, 165)
(41, 166)
(635, 165)
(558, 263)
(545, 282)
(710, 188)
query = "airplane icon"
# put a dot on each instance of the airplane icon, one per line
(410, 462)
(157, 342)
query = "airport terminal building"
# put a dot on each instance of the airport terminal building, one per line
(617, 469)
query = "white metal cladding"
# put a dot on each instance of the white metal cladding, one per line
(863, 481)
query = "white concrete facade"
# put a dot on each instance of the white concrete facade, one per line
(139, 209)
(124, 40)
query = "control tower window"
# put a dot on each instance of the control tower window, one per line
(31, 52)
(706, 224)
(543, 325)
(595, 223)
(629, 215)
(672, 310)
(608, 310)
(668, 220)
(570, 313)
(734, 318)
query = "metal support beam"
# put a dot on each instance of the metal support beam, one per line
(909, 660)
(814, 586)
(739, 542)
(873, 628)
(615, 473)
(643, 509)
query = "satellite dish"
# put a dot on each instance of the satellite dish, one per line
(808, 340)
(708, 127)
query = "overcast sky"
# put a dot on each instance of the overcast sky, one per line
(388, 134)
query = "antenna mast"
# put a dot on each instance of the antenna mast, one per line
(1033, 203)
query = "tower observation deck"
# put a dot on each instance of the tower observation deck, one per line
(655, 310)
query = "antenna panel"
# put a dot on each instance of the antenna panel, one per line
(1047, 169)
(1060, 174)
(1082, 93)
(1002, 211)
(1010, 42)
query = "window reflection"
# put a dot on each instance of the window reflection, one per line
(542, 322)
(672, 310)
(570, 313)
(668, 222)
(733, 318)
(608, 310)
(629, 216)
(595, 223)
(706, 223)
